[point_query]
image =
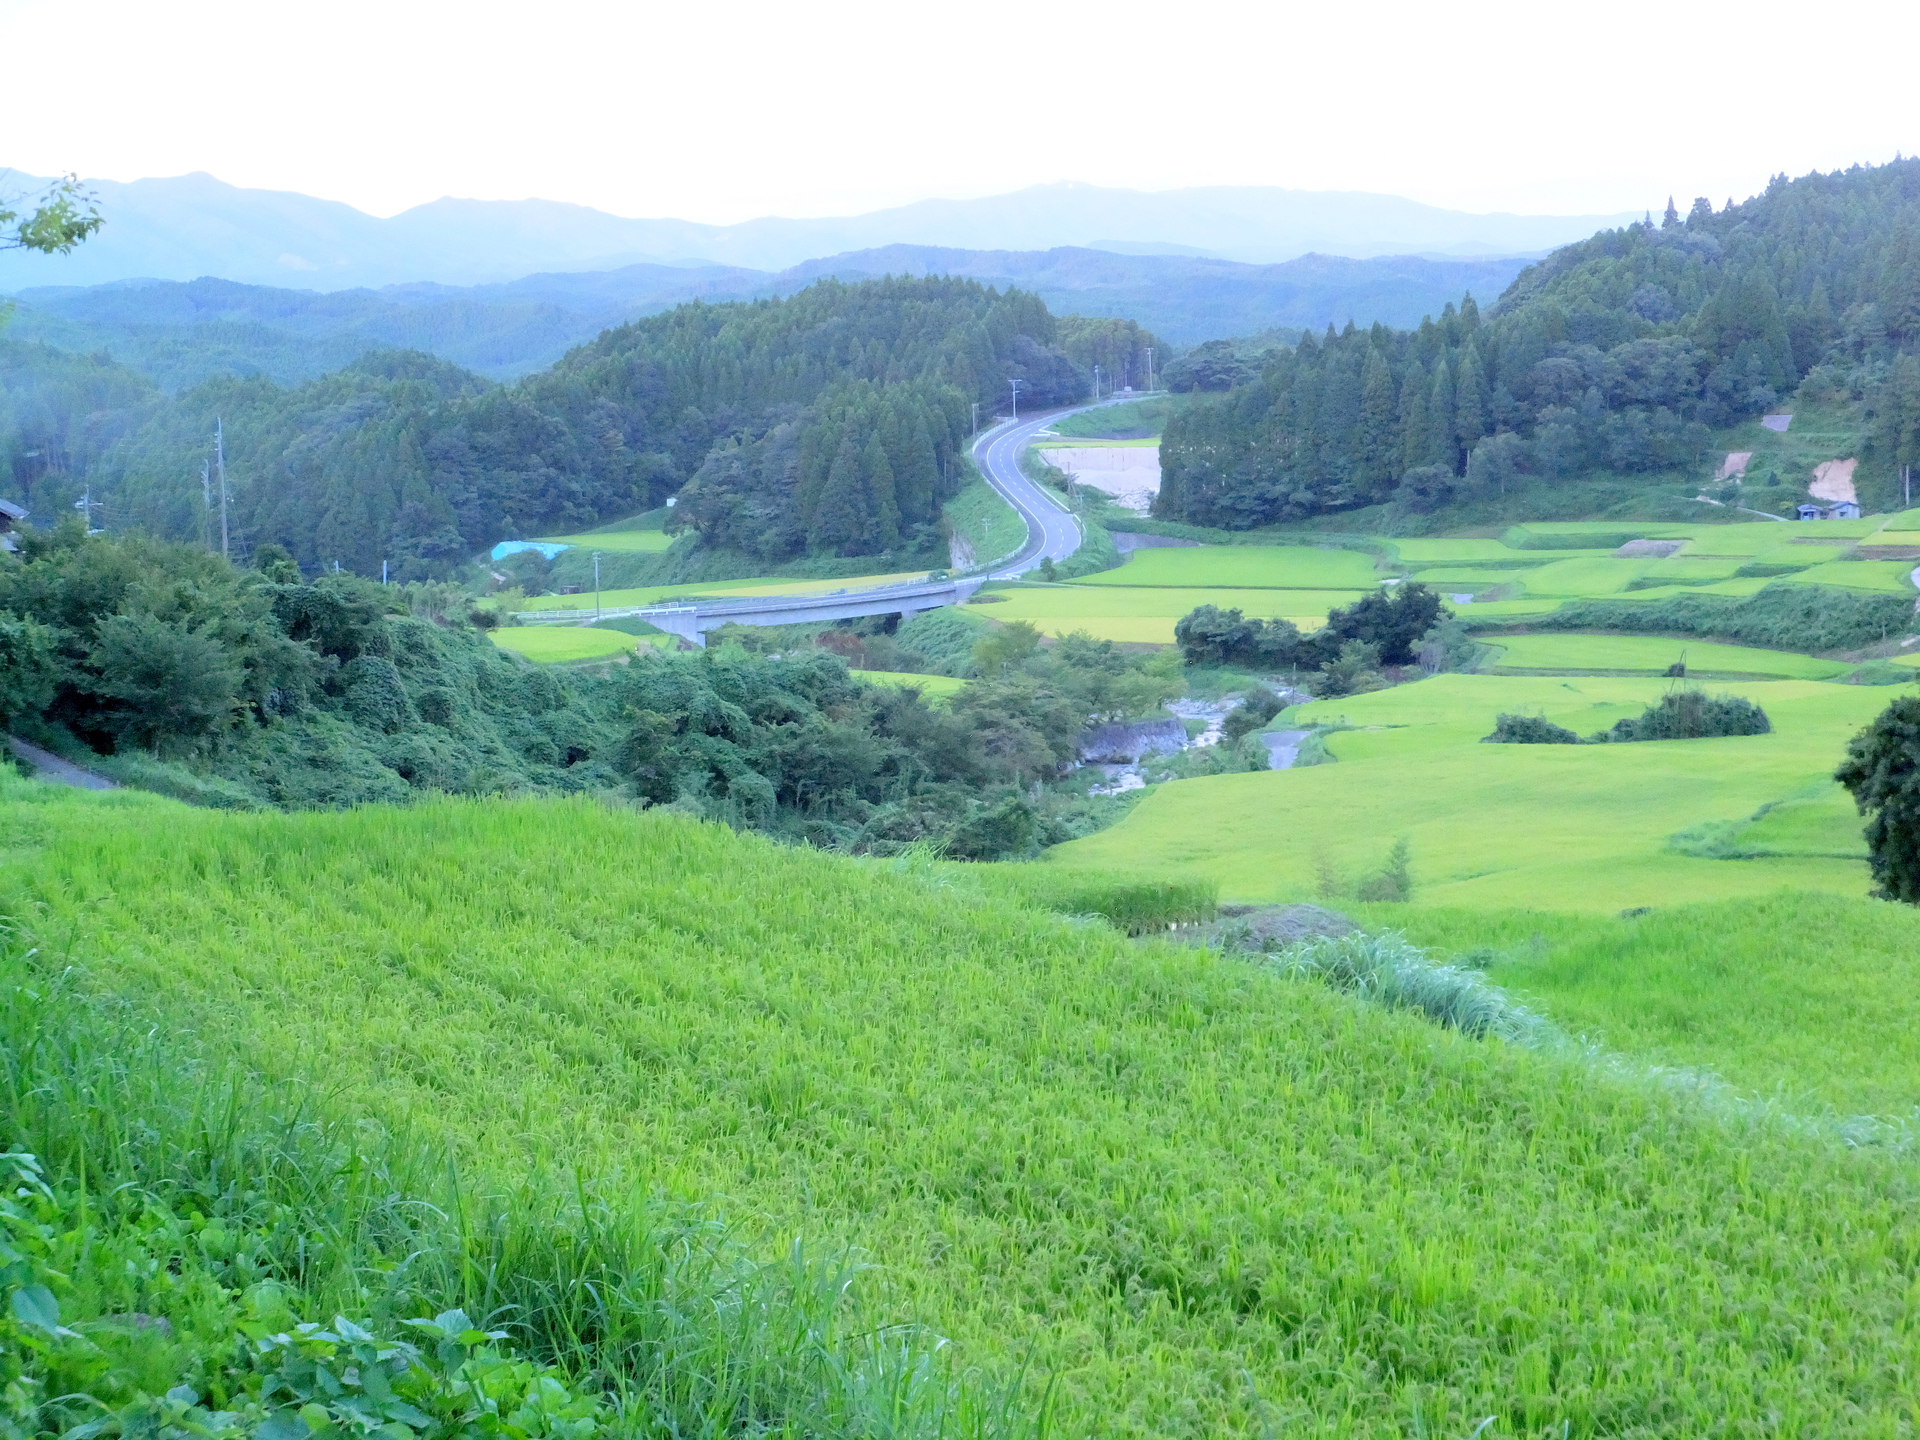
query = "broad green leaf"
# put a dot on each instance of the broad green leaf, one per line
(34, 1305)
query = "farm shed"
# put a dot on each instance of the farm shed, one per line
(1839, 510)
(10, 514)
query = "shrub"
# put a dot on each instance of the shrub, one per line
(1394, 882)
(1691, 715)
(1386, 969)
(1250, 714)
(1352, 672)
(1529, 730)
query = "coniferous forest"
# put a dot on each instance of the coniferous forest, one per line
(1617, 354)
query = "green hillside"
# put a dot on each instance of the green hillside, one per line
(1612, 377)
(1193, 1194)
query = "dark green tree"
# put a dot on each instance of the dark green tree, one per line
(1882, 773)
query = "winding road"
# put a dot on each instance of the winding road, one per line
(1052, 531)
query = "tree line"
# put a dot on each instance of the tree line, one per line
(1620, 353)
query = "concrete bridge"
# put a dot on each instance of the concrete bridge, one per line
(694, 619)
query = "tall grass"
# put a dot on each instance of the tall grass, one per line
(1385, 968)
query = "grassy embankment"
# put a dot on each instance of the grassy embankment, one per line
(1195, 1196)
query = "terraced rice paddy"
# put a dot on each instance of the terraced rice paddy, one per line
(1150, 592)
(1888, 576)
(1563, 652)
(1147, 615)
(1290, 567)
(1808, 1000)
(1575, 828)
(1194, 1197)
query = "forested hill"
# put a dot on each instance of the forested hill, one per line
(852, 402)
(1616, 354)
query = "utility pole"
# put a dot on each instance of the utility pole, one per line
(220, 467)
(1014, 385)
(596, 585)
(1906, 479)
(1149, 367)
(383, 572)
(206, 503)
(1096, 384)
(976, 417)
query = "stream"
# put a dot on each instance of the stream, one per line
(1118, 750)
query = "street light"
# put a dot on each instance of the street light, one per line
(1015, 386)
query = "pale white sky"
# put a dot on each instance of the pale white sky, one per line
(720, 110)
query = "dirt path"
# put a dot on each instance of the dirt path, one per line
(49, 766)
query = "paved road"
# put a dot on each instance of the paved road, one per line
(1052, 532)
(51, 767)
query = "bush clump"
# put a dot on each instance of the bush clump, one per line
(1679, 715)
(1529, 730)
(1691, 715)
(1391, 620)
(1259, 708)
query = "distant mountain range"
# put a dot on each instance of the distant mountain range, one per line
(182, 332)
(188, 226)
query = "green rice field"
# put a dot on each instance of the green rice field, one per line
(1889, 576)
(1148, 614)
(1806, 999)
(1191, 1196)
(1146, 595)
(623, 542)
(1565, 652)
(1291, 567)
(1573, 828)
(558, 643)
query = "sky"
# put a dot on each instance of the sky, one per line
(722, 110)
